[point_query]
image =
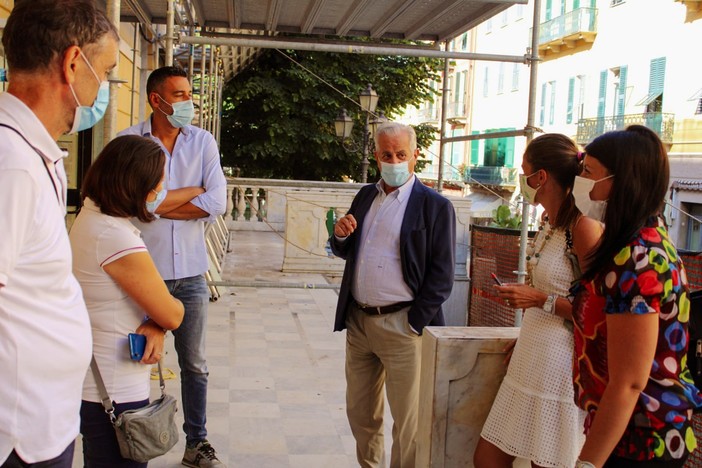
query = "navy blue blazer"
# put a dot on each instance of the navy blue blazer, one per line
(427, 252)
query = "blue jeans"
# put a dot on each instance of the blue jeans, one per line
(100, 446)
(190, 346)
(65, 460)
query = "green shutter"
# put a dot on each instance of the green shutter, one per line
(576, 4)
(571, 93)
(509, 154)
(542, 111)
(621, 94)
(603, 95)
(501, 79)
(548, 9)
(474, 150)
(552, 105)
(657, 75)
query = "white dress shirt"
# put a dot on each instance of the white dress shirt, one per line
(378, 279)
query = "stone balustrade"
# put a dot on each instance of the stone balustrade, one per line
(305, 213)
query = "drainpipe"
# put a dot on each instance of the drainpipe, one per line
(134, 85)
(442, 131)
(218, 136)
(203, 86)
(210, 90)
(109, 126)
(191, 59)
(170, 19)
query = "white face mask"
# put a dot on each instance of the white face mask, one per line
(594, 209)
(529, 193)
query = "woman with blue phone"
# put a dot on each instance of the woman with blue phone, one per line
(123, 290)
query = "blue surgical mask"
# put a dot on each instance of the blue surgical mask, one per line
(151, 206)
(86, 117)
(183, 112)
(395, 175)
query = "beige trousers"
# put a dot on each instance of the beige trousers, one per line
(382, 350)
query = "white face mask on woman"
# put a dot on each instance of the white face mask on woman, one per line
(594, 209)
(528, 192)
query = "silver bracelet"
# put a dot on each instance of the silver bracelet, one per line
(583, 464)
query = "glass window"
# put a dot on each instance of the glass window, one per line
(694, 239)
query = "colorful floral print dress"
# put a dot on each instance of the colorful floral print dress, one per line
(646, 276)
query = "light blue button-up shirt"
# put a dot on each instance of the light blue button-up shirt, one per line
(177, 246)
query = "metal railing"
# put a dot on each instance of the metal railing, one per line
(577, 21)
(456, 109)
(662, 124)
(491, 175)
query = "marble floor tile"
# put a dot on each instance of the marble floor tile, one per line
(276, 394)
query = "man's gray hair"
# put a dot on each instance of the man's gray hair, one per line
(394, 129)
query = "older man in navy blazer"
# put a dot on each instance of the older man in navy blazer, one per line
(398, 240)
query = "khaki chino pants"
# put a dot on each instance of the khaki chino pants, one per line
(382, 350)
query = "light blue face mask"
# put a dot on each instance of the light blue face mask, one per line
(183, 112)
(395, 174)
(87, 116)
(151, 206)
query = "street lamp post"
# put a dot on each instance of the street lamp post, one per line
(343, 124)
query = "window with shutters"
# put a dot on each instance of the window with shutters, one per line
(542, 109)
(515, 77)
(552, 104)
(501, 78)
(571, 97)
(486, 80)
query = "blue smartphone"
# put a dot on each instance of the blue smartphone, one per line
(137, 344)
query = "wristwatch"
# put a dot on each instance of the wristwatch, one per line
(550, 304)
(583, 464)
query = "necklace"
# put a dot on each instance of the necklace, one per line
(532, 253)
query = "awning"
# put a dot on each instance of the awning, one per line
(650, 98)
(696, 96)
(692, 185)
(483, 204)
(377, 21)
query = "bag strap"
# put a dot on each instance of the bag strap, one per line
(105, 397)
(41, 156)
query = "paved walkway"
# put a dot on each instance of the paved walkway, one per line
(276, 388)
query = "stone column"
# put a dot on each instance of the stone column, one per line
(462, 369)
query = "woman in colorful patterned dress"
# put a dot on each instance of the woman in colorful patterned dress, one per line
(631, 312)
(533, 415)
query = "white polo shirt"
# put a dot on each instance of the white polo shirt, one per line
(97, 240)
(45, 340)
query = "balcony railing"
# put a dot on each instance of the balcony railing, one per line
(659, 122)
(491, 175)
(456, 109)
(428, 114)
(579, 25)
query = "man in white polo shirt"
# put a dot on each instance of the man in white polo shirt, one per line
(59, 53)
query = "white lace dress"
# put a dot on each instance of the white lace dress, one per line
(534, 415)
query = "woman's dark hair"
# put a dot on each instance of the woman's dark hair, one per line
(558, 156)
(639, 162)
(124, 173)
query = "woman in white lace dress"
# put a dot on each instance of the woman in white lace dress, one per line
(534, 415)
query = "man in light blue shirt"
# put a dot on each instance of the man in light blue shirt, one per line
(197, 192)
